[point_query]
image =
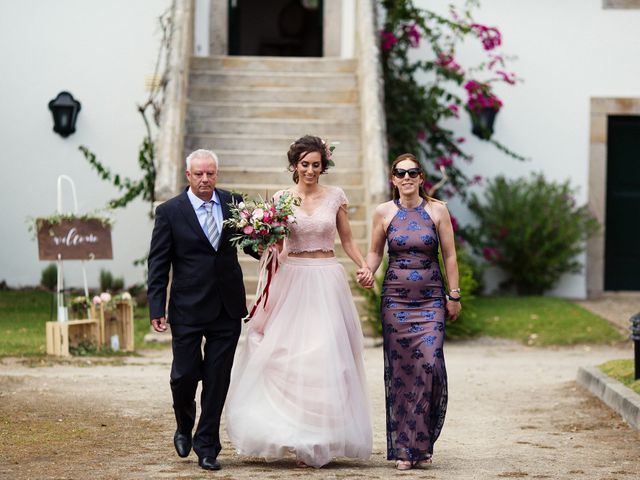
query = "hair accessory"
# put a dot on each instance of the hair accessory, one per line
(329, 147)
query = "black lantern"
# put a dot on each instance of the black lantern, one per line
(64, 109)
(482, 120)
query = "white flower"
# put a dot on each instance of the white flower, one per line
(126, 296)
(291, 218)
(96, 300)
(258, 213)
(242, 223)
(105, 297)
(241, 205)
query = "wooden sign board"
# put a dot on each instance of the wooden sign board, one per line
(74, 239)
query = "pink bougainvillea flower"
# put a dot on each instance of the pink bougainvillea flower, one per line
(454, 109)
(421, 135)
(510, 78)
(477, 179)
(413, 34)
(504, 232)
(444, 162)
(495, 58)
(388, 40)
(460, 139)
(490, 253)
(454, 223)
(489, 36)
(427, 185)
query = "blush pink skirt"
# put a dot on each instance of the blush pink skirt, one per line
(298, 383)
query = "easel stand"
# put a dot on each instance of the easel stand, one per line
(101, 324)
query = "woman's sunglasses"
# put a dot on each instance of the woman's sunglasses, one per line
(401, 172)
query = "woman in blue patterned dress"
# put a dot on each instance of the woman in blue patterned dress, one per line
(414, 307)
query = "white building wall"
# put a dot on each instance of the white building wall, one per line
(568, 51)
(100, 51)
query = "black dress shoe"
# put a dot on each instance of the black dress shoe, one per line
(182, 442)
(209, 463)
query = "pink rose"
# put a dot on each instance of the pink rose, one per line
(248, 230)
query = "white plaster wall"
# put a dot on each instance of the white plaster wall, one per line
(101, 52)
(567, 52)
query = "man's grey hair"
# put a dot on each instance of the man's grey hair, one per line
(200, 153)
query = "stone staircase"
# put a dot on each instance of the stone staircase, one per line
(249, 109)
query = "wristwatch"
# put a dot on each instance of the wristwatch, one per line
(453, 299)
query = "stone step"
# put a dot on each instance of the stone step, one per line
(280, 175)
(278, 160)
(345, 112)
(293, 128)
(328, 94)
(355, 193)
(259, 142)
(274, 64)
(273, 79)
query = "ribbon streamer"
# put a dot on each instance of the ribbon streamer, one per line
(267, 268)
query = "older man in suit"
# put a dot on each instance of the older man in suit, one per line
(207, 301)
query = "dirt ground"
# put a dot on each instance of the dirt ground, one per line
(514, 412)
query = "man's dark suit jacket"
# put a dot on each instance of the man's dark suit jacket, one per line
(204, 281)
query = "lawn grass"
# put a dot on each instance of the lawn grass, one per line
(623, 371)
(23, 314)
(540, 321)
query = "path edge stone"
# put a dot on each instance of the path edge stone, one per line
(614, 394)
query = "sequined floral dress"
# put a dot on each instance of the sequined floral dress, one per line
(413, 314)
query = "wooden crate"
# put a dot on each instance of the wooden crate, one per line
(61, 335)
(117, 321)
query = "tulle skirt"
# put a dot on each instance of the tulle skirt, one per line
(298, 384)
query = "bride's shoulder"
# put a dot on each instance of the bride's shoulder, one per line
(332, 191)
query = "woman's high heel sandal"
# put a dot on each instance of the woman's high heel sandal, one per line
(403, 465)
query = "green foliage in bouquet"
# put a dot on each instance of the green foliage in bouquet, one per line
(532, 229)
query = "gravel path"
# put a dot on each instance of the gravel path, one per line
(514, 412)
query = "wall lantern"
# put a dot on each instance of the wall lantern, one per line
(64, 109)
(482, 121)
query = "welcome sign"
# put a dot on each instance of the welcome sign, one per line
(74, 239)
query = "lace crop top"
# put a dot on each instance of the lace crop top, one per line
(311, 233)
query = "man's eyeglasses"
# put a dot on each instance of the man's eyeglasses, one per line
(401, 172)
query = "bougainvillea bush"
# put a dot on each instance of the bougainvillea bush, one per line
(417, 44)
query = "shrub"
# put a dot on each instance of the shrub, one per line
(49, 277)
(532, 229)
(110, 283)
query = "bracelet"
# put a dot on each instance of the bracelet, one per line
(455, 290)
(453, 299)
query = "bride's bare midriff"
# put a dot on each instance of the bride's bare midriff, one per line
(317, 254)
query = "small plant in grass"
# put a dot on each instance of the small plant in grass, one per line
(49, 277)
(532, 229)
(110, 283)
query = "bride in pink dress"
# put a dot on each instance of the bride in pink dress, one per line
(298, 384)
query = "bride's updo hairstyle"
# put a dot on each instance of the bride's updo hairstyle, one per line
(303, 147)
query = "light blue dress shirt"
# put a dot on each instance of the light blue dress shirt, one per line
(201, 212)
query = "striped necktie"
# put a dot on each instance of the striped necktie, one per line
(213, 234)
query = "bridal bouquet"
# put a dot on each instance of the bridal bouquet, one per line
(262, 224)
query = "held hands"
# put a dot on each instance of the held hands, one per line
(159, 324)
(453, 310)
(364, 277)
